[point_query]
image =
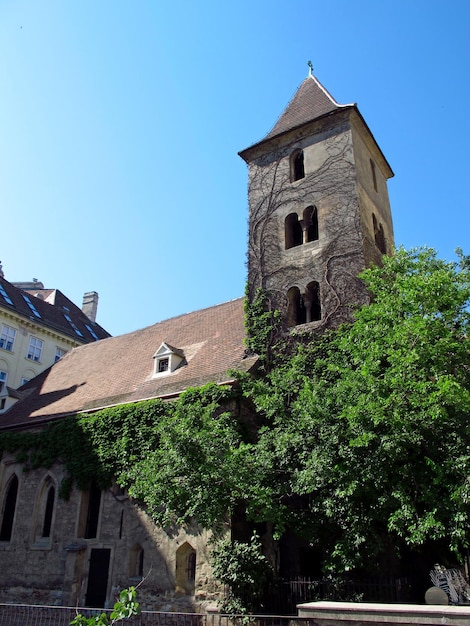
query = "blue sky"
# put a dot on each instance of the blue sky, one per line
(120, 124)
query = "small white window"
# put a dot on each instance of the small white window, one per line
(163, 364)
(59, 353)
(35, 349)
(7, 338)
(167, 359)
(3, 380)
(24, 381)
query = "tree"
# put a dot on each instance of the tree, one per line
(125, 607)
(366, 443)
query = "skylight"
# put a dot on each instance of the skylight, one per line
(69, 320)
(6, 297)
(31, 305)
(91, 331)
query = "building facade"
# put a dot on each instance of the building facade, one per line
(318, 214)
(37, 328)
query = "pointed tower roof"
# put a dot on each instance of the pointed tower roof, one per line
(310, 101)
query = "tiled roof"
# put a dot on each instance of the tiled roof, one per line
(120, 369)
(310, 101)
(52, 308)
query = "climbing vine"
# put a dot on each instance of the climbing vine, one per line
(178, 458)
(263, 325)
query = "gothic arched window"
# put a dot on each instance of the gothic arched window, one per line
(185, 569)
(90, 512)
(9, 508)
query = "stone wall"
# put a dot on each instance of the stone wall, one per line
(55, 570)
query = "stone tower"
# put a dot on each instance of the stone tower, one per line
(319, 211)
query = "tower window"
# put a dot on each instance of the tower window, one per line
(374, 174)
(311, 224)
(379, 235)
(297, 170)
(303, 308)
(312, 302)
(295, 308)
(293, 231)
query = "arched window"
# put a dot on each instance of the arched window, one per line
(185, 569)
(9, 508)
(136, 561)
(295, 307)
(379, 235)
(297, 170)
(48, 511)
(293, 231)
(312, 302)
(90, 512)
(303, 308)
(310, 218)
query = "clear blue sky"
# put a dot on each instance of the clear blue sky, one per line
(120, 124)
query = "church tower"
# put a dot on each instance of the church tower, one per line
(319, 211)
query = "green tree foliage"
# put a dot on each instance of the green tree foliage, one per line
(126, 607)
(370, 426)
(245, 570)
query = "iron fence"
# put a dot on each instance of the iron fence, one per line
(33, 615)
(284, 596)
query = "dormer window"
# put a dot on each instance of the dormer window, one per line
(167, 359)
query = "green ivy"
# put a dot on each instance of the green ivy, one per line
(263, 325)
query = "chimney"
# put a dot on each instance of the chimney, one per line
(90, 305)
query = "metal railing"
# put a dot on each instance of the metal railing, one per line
(34, 615)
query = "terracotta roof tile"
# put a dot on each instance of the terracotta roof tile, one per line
(121, 369)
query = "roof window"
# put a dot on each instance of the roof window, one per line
(72, 324)
(31, 305)
(91, 331)
(167, 359)
(6, 297)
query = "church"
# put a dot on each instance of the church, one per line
(319, 213)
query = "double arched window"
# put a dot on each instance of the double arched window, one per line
(301, 231)
(305, 307)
